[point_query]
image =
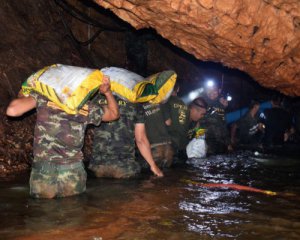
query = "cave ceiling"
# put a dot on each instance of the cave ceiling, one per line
(259, 37)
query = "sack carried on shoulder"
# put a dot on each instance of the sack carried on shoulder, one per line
(134, 88)
(69, 87)
(164, 82)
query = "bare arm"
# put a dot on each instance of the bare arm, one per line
(143, 145)
(19, 106)
(111, 111)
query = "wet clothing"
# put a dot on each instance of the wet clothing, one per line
(58, 140)
(114, 142)
(247, 130)
(277, 121)
(49, 181)
(217, 135)
(158, 135)
(162, 154)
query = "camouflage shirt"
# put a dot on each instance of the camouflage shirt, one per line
(116, 139)
(58, 136)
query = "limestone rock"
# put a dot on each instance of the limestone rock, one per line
(260, 37)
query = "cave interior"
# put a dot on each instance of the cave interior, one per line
(95, 34)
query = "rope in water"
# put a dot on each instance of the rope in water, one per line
(231, 186)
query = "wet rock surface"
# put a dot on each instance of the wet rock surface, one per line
(259, 37)
(15, 144)
(32, 36)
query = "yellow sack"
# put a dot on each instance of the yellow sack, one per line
(164, 82)
(129, 86)
(69, 87)
(134, 88)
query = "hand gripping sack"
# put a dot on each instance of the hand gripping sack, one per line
(69, 87)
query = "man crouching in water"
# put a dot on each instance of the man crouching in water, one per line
(57, 169)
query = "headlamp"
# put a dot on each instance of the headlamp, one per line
(210, 83)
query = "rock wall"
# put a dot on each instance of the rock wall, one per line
(32, 36)
(260, 37)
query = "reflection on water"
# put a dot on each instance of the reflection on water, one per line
(168, 208)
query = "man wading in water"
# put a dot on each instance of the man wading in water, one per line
(57, 169)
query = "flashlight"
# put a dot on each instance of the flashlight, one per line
(210, 83)
(228, 98)
(193, 95)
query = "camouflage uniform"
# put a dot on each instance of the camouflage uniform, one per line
(114, 142)
(57, 169)
(162, 154)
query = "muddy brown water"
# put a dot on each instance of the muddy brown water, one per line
(173, 207)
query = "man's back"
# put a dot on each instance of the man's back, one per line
(155, 124)
(247, 129)
(116, 138)
(59, 136)
(277, 121)
(178, 112)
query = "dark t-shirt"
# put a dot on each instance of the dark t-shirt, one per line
(277, 121)
(176, 110)
(216, 135)
(247, 129)
(155, 124)
(215, 108)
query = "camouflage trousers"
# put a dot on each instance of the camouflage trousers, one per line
(52, 180)
(110, 166)
(162, 154)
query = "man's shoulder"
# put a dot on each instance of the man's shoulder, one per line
(276, 110)
(176, 100)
